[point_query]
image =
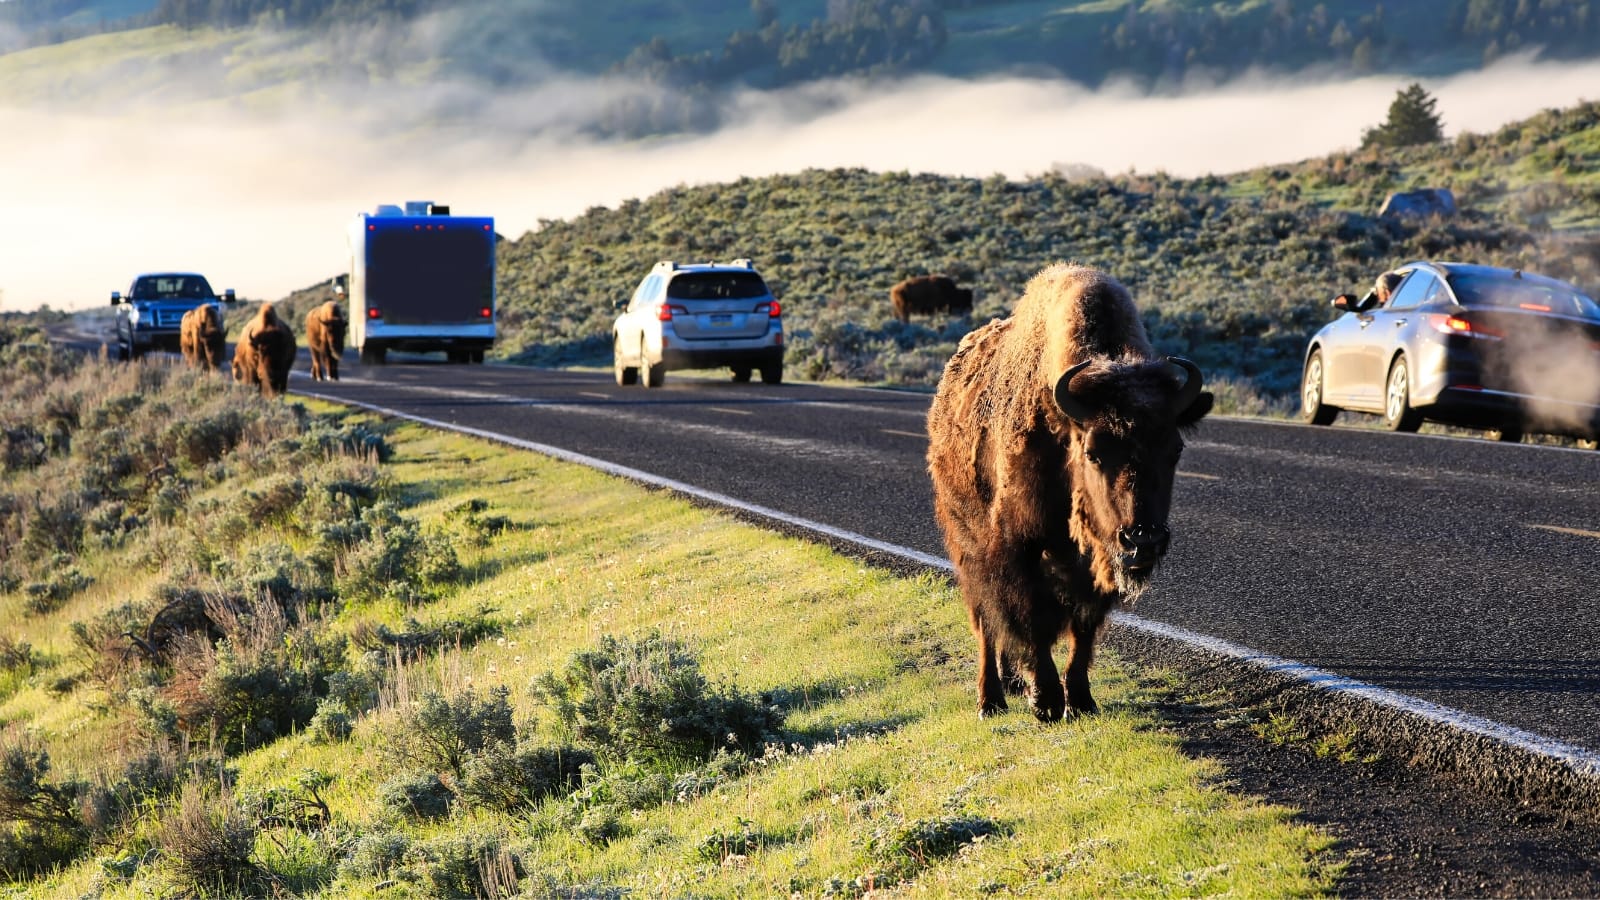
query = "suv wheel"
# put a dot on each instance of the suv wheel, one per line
(741, 374)
(772, 370)
(626, 375)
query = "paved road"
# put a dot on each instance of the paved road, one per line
(1461, 572)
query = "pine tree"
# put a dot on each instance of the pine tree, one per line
(1412, 120)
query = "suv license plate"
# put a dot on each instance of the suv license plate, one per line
(721, 320)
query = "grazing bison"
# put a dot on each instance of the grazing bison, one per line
(929, 294)
(1053, 440)
(200, 337)
(264, 352)
(325, 327)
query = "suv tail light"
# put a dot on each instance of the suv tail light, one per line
(772, 309)
(664, 311)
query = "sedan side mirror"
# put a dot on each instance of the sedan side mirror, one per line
(116, 297)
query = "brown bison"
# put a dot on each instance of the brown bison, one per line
(200, 337)
(264, 352)
(1053, 441)
(325, 327)
(929, 294)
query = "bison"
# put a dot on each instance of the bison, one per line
(265, 352)
(929, 294)
(200, 337)
(325, 327)
(1053, 441)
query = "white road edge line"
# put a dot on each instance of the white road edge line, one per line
(1579, 759)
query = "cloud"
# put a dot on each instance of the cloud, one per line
(252, 177)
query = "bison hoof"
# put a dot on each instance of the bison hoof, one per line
(1085, 707)
(992, 708)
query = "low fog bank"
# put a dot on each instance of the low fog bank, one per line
(258, 200)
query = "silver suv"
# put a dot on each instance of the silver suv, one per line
(698, 316)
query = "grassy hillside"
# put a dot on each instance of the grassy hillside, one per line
(1234, 272)
(308, 654)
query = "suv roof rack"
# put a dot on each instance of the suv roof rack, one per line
(743, 261)
(667, 264)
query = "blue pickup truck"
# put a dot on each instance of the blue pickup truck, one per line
(148, 318)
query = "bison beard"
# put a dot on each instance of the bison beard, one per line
(1053, 442)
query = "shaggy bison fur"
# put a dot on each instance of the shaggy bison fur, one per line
(200, 337)
(1053, 442)
(264, 352)
(325, 328)
(929, 294)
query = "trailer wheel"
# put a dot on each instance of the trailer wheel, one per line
(477, 357)
(374, 354)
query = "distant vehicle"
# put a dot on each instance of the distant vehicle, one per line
(698, 316)
(150, 316)
(1476, 346)
(421, 280)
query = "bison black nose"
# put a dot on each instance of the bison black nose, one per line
(1144, 544)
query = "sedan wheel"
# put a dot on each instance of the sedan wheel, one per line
(1397, 412)
(1312, 410)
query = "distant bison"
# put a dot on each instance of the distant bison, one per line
(325, 328)
(200, 337)
(929, 294)
(1053, 442)
(264, 352)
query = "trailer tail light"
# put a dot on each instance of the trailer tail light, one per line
(485, 313)
(374, 313)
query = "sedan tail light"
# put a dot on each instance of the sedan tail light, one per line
(1457, 324)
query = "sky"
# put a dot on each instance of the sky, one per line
(259, 202)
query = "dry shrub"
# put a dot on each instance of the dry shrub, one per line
(208, 844)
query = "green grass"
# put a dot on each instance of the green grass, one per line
(883, 744)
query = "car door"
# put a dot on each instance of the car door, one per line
(1341, 346)
(1392, 325)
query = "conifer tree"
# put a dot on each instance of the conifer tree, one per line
(1412, 120)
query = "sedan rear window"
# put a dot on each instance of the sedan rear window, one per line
(717, 286)
(1518, 293)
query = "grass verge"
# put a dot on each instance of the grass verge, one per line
(881, 781)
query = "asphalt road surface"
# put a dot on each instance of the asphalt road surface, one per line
(1461, 572)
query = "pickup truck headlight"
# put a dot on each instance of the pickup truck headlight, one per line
(133, 316)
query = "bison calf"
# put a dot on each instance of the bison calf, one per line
(1053, 441)
(325, 328)
(929, 294)
(200, 337)
(265, 352)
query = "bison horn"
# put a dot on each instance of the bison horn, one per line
(1076, 409)
(1191, 383)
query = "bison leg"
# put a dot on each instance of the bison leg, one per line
(991, 686)
(1047, 699)
(330, 368)
(1080, 655)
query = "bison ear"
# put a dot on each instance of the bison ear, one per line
(1076, 409)
(1196, 411)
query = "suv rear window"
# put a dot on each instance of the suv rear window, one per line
(168, 287)
(1517, 293)
(717, 286)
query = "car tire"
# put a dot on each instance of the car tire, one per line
(1312, 410)
(741, 374)
(374, 354)
(475, 357)
(653, 375)
(123, 352)
(1507, 435)
(772, 373)
(1397, 412)
(626, 375)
